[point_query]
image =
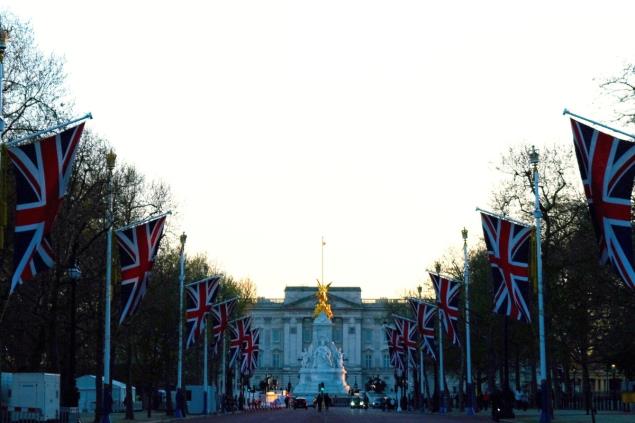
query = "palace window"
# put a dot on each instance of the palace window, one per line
(293, 330)
(351, 330)
(386, 360)
(275, 362)
(368, 360)
(275, 336)
(368, 336)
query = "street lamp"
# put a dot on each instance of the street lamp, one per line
(71, 394)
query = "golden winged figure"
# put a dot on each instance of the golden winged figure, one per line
(322, 300)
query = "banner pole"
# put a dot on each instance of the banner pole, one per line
(179, 377)
(468, 352)
(107, 401)
(545, 413)
(567, 112)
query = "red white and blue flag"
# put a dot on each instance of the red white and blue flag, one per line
(138, 247)
(251, 350)
(221, 313)
(447, 292)
(199, 299)
(508, 250)
(407, 330)
(607, 167)
(240, 330)
(42, 171)
(425, 317)
(394, 350)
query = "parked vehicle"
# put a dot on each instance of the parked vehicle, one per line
(357, 402)
(300, 402)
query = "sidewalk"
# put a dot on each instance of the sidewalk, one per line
(573, 416)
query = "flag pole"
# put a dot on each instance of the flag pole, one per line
(146, 220)
(502, 216)
(567, 112)
(468, 353)
(4, 37)
(17, 141)
(442, 405)
(179, 381)
(111, 157)
(205, 348)
(545, 416)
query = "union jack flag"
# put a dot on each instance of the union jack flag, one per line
(220, 319)
(42, 171)
(394, 351)
(407, 330)
(607, 169)
(200, 296)
(447, 292)
(508, 245)
(240, 330)
(424, 316)
(251, 349)
(138, 247)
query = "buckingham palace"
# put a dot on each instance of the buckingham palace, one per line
(286, 331)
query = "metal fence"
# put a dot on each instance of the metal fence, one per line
(66, 415)
(599, 402)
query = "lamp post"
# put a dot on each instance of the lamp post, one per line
(545, 413)
(4, 37)
(612, 387)
(70, 390)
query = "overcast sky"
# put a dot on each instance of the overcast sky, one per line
(375, 124)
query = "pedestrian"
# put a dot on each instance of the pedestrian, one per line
(319, 403)
(327, 402)
(286, 401)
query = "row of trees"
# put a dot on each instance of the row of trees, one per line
(36, 324)
(588, 311)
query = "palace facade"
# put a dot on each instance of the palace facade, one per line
(286, 329)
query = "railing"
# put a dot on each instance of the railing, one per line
(263, 300)
(599, 402)
(383, 300)
(20, 416)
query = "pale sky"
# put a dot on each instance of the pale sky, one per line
(375, 124)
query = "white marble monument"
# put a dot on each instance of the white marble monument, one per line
(322, 362)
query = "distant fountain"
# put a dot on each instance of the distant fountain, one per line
(322, 362)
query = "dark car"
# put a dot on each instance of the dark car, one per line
(378, 402)
(357, 402)
(300, 402)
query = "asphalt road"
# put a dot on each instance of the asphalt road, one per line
(337, 415)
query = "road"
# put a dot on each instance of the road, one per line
(337, 415)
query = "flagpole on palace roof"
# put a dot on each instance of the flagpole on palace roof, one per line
(545, 413)
(111, 158)
(179, 378)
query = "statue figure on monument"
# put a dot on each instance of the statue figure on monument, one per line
(322, 301)
(322, 356)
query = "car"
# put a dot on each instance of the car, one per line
(357, 402)
(378, 402)
(300, 402)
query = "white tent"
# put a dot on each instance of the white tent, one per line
(87, 394)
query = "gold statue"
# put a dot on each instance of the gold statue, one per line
(322, 301)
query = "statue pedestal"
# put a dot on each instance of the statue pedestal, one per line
(322, 362)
